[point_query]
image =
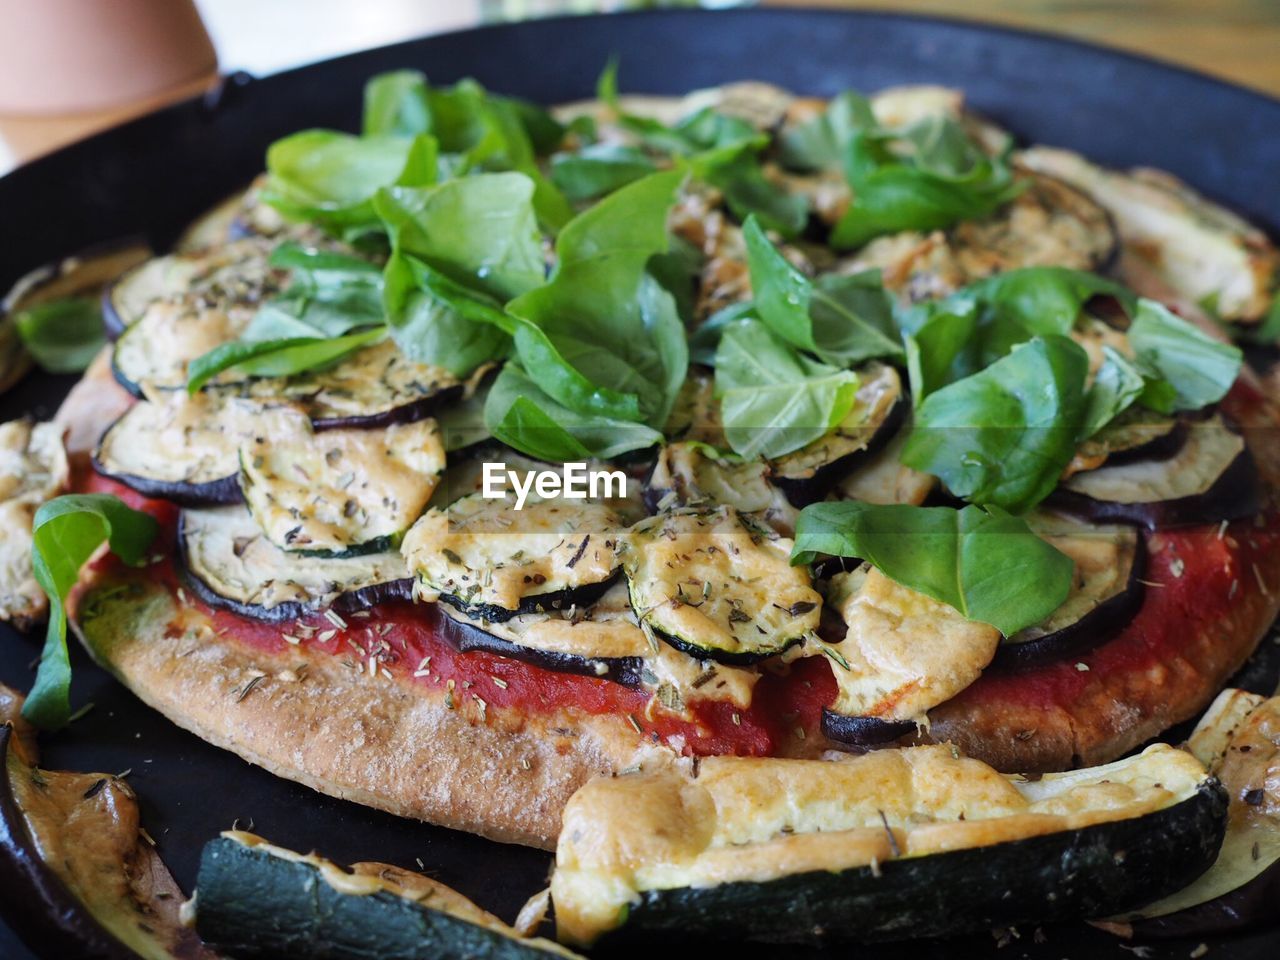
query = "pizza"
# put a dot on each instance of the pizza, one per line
(484, 458)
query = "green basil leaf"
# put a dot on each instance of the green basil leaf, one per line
(607, 85)
(958, 335)
(1002, 436)
(1116, 386)
(821, 143)
(706, 339)
(329, 294)
(1046, 299)
(1199, 368)
(898, 198)
(277, 358)
(736, 172)
(544, 131)
(603, 337)
(63, 336)
(773, 399)
(940, 351)
(924, 190)
(599, 169)
(679, 270)
(841, 319)
(397, 104)
(522, 416)
(990, 567)
(459, 251)
(330, 178)
(65, 533)
(436, 320)
(517, 153)
(480, 231)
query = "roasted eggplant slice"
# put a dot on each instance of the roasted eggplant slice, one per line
(1049, 224)
(73, 856)
(903, 653)
(602, 640)
(491, 561)
(375, 387)
(809, 474)
(690, 475)
(184, 447)
(894, 844)
(227, 274)
(1238, 740)
(883, 478)
(1106, 593)
(341, 492)
(257, 900)
(1212, 477)
(229, 563)
(718, 586)
(33, 469)
(1204, 253)
(1136, 434)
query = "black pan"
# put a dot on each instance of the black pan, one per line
(154, 175)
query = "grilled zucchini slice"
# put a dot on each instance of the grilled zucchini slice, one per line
(718, 586)
(258, 900)
(341, 491)
(916, 842)
(230, 564)
(482, 556)
(600, 640)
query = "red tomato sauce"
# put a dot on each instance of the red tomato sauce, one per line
(1192, 572)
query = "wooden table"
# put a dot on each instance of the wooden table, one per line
(1237, 40)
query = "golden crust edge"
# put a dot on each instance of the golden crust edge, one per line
(382, 743)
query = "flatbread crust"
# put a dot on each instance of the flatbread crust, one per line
(389, 744)
(397, 746)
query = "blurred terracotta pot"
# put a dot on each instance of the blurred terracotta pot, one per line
(60, 57)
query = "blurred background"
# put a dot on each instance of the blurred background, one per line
(70, 67)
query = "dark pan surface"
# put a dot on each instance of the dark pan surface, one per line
(154, 175)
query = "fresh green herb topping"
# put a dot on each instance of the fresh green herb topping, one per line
(988, 565)
(926, 176)
(65, 533)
